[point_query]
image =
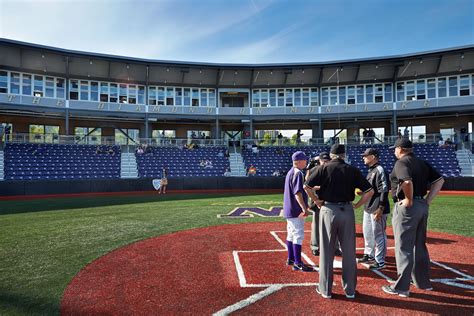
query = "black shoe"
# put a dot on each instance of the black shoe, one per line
(290, 262)
(302, 267)
(319, 292)
(377, 266)
(366, 259)
(338, 252)
(315, 252)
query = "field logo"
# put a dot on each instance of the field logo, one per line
(246, 212)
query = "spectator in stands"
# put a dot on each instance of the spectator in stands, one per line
(254, 148)
(98, 150)
(399, 134)
(280, 139)
(448, 142)
(148, 149)
(111, 151)
(7, 132)
(252, 170)
(365, 136)
(276, 173)
(441, 142)
(202, 163)
(2, 131)
(139, 150)
(227, 173)
(220, 154)
(298, 137)
(208, 164)
(163, 181)
(406, 133)
(226, 154)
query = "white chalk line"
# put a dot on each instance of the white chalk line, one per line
(272, 288)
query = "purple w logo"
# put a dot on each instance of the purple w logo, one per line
(245, 212)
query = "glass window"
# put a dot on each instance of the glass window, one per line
(453, 86)
(141, 95)
(305, 97)
(472, 84)
(3, 82)
(264, 98)
(73, 90)
(179, 96)
(60, 91)
(15, 83)
(289, 97)
(351, 98)
(369, 93)
(297, 96)
(442, 87)
(204, 97)
(273, 97)
(400, 91)
(281, 97)
(104, 92)
(94, 91)
(84, 91)
(360, 94)
(38, 86)
(378, 93)
(420, 90)
(333, 96)
(113, 93)
(325, 96)
(152, 95)
(342, 95)
(49, 87)
(126, 136)
(314, 97)
(132, 94)
(431, 88)
(36, 133)
(26, 86)
(388, 92)
(169, 96)
(123, 93)
(161, 95)
(410, 90)
(212, 97)
(464, 85)
(187, 97)
(51, 133)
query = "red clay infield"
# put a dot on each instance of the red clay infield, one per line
(240, 268)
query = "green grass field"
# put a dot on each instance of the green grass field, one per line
(44, 243)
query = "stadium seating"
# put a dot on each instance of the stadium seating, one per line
(181, 162)
(55, 162)
(267, 159)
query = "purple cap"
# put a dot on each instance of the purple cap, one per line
(299, 155)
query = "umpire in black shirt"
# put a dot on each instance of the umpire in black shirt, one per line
(337, 182)
(410, 217)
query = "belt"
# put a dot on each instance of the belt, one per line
(337, 203)
(418, 197)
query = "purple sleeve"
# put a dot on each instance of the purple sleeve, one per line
(298, 182)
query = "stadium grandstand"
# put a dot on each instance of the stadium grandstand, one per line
(110, 123)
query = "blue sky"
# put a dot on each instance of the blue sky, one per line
(242, 31)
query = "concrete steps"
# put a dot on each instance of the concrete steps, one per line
(128, 166)
(237, 166)
(466, 162)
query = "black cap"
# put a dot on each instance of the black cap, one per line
(338, 149)
(371, 151)
(324, 156)
(402, 142)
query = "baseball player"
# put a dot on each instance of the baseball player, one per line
(410, 218)
(295, 209)
(337, 182)
(375, 213)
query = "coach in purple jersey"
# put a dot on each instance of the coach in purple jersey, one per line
(295, 209)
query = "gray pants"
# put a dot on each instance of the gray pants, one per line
(337, 221)
(413, 259)
(315, 232)
(375, 237)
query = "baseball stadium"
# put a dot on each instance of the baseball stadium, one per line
(141, 186)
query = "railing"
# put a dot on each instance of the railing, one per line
(180, 142)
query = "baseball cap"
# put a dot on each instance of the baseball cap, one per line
(371, 151)
(299, 155)
(402, 142)
(338, 149)
(324, 156)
